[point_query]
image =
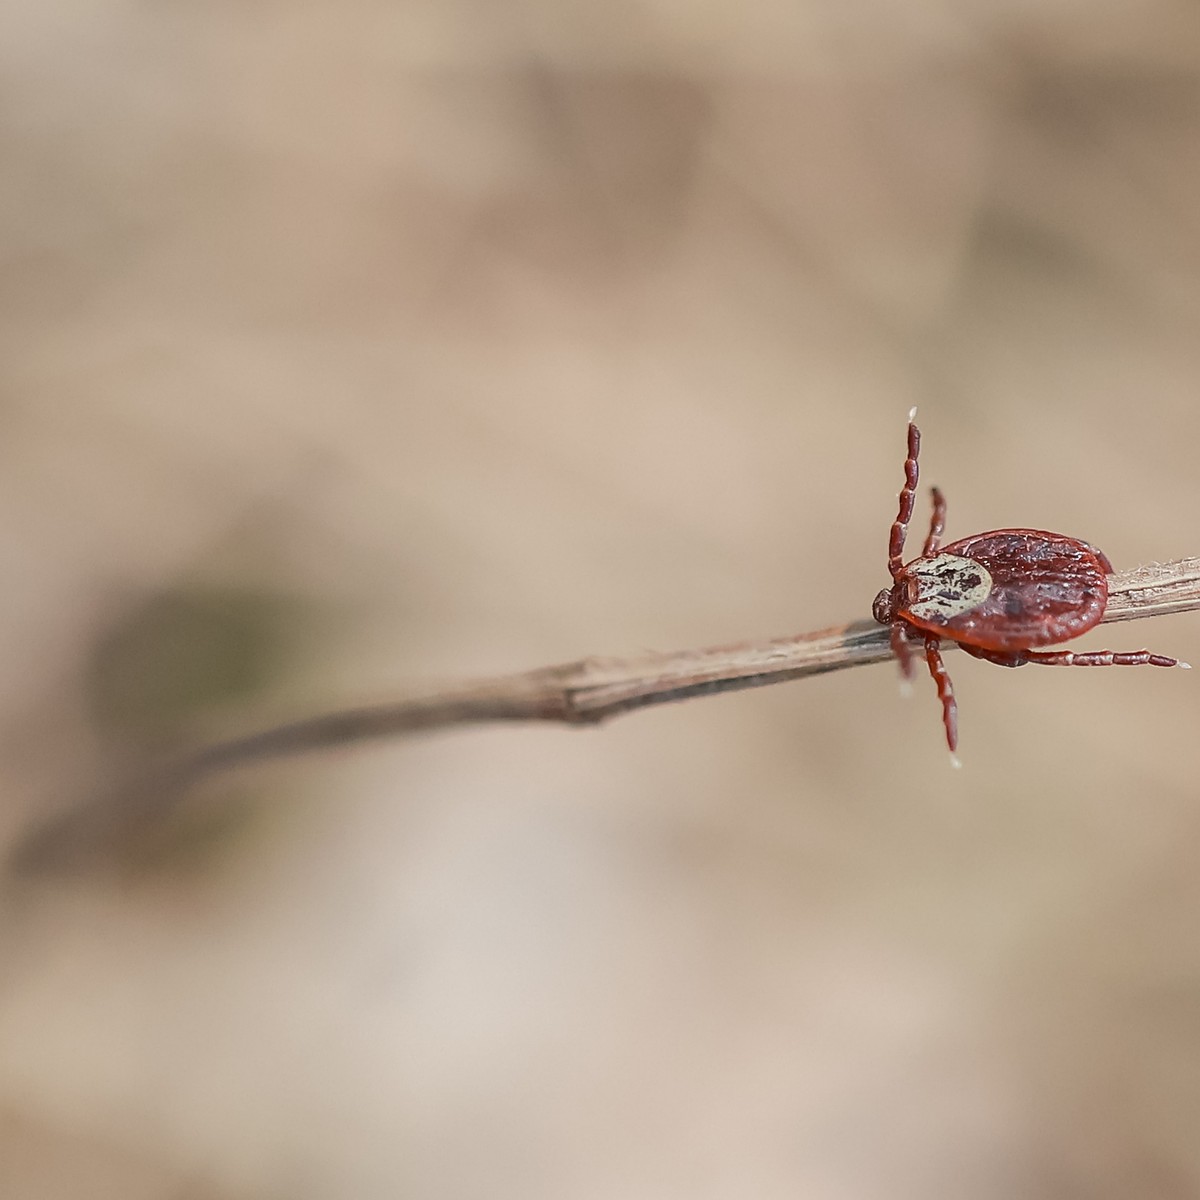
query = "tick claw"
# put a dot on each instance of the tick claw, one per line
(912, 414)
(1185, 666)
(955, 762)
(905, 689)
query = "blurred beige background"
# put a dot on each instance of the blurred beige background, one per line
(349, 346)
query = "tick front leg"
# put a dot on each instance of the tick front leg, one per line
(937, 524)
(908, 496)
(945, 689)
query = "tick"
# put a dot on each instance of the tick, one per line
(1000, 595)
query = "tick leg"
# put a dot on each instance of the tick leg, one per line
(937, 524)
(1072, 658)
(908, 495)
(1108, 567)
(902, 651)
(937, 668)
(1099, 658)
(1002, 658)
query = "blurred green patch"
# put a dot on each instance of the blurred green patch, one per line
(190, 838)
(186, 654)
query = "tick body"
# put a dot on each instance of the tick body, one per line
(1001, 596)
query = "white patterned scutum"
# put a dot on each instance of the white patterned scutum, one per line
(947, 586)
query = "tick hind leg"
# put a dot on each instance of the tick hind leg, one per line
(945, 690)
(1073, 658)
(1002, 658)
(1108, 567)
(1100, 658)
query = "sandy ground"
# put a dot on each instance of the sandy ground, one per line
(347, 346)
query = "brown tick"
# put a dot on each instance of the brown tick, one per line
(999, 595)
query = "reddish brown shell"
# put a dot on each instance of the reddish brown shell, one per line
(1046, 588)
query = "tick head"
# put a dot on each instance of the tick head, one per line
(883, 607)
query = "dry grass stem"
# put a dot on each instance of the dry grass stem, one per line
(578, 693)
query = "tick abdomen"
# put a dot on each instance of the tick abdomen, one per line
(1008, 589)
